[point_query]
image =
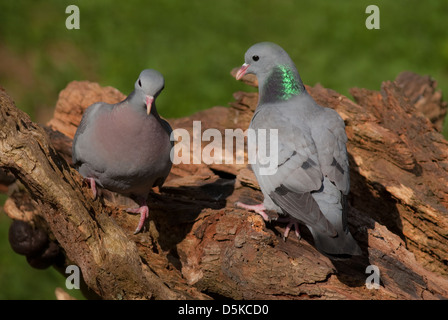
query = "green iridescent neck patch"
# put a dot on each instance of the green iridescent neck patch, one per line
(290, 85)
(281, 85)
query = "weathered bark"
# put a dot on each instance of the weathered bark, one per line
(198, 245)
(422, 92)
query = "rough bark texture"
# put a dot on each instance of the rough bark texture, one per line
(199, 246)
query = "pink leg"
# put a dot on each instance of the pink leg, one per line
(288, 228)
(92, 184)
(291, 223)
(258, 208)
(144, 214)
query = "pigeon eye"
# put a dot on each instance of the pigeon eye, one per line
(255, 58)
(139, 83)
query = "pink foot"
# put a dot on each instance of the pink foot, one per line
(144, 214)
(291, 223)
(92, 184)
(258, 208)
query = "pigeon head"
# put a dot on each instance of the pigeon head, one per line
(261, 58)
(277, 75)
(148, 86)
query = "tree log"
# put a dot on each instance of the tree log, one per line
(197, 245)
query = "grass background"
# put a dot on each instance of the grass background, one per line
(195, 44)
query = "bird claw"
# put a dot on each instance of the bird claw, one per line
(258, 208)
(291, 223)
(144, 214)
(133, 210)
(92, 184)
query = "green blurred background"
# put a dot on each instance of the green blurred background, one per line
(195, 44)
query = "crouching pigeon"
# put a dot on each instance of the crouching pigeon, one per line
(311, 179)
(125, 147)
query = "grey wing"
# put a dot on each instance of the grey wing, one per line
(331, 139)
(88, 117)
(297, 172)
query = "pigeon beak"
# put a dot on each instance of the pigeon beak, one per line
(149, 100)
(242, 71)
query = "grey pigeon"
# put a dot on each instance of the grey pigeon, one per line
(311, 180)
(125, 147)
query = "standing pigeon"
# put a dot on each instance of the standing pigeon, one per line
(125, 147)
(311, 179)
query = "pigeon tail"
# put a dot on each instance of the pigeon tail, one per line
(332, 204)
(341, 246)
